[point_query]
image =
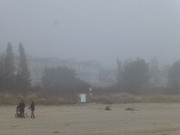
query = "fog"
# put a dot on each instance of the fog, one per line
(101, 30)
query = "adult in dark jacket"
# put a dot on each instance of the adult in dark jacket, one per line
(32, 107)
(21, 107)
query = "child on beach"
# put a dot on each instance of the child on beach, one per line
(32, 107)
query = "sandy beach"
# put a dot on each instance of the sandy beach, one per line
(92, 119)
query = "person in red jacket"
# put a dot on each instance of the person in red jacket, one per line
(32, 107)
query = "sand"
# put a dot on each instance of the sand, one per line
(92, 119)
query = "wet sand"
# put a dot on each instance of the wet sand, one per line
(92, 119)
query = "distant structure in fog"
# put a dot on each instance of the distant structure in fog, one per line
(86, 71)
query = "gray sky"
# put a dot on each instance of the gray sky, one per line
(99, 30)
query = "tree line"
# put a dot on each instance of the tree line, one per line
(137, 76)
(132, 76)
(14, 71)
(15, 75)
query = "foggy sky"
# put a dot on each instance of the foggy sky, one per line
(99, 30)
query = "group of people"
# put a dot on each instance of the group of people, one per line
(21, 107)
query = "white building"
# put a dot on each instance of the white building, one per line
(86, 71)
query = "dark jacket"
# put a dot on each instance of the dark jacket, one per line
(21, 106)
(32, 106)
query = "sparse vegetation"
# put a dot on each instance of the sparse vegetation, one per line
(53, 98)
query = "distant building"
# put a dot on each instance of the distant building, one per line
(86, 71)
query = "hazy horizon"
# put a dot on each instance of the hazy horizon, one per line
(100, 30)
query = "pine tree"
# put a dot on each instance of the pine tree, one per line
(9, 67)
(23, 72)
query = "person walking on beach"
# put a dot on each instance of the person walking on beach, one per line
(21, 107)
(32, 107)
